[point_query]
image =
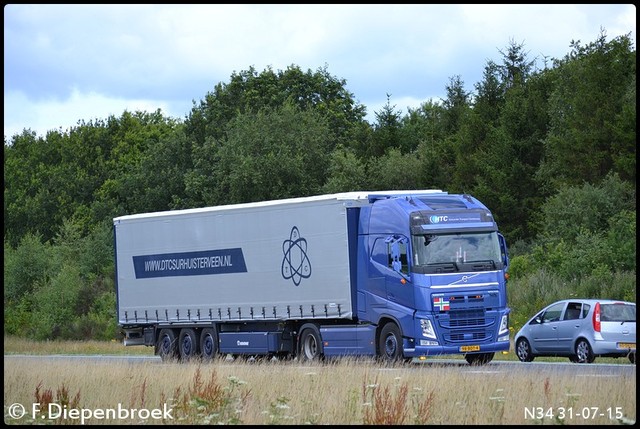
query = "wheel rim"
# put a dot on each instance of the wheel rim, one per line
(187, 345)
(582, 351)
(166, 345)
(391, 346)
(207, 346)
(310, 347)
(523, 350)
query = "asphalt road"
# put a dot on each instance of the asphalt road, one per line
(580, 370)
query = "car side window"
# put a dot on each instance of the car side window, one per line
(573, 311)
(585, 310)
(553, 313)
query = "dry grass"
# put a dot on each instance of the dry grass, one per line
(344, 391)
(14, 345)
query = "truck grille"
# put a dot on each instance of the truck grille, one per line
(464, 319)
(466, 325)
(474, 336)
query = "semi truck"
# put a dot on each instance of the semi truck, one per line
(395, 275)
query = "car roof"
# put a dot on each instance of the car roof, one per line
(594, 300)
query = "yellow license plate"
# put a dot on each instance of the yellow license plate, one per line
(469, 348)
(626, 345)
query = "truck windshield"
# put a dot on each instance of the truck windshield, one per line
(456, 249)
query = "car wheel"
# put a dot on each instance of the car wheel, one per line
(523, 350)
(584, 354)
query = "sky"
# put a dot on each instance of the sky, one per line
(65, 64)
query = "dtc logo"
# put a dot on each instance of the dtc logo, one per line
(438, 219)
(295, 265)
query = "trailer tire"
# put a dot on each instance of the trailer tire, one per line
(166, 346)
(390, 343)
(188, 344)
(310, 343)
(209, 344)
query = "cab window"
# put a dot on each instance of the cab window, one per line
(397, 254)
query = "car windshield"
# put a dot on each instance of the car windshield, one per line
(617, 312)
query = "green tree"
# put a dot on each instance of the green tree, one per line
(456, 105)
(588, 229)
(274, 153)
(144, 166)
(591, 110)
(345, 172)
(386, 130)
(249, 92)
(395, 170)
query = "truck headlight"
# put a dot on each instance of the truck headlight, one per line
(427, 328)
(504, 328)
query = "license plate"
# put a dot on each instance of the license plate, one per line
(626, 345)
(469, 348)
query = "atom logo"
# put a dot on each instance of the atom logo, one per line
(295, 264)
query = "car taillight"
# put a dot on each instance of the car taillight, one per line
(596, 317)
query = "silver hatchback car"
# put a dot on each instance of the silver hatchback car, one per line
(580, 329)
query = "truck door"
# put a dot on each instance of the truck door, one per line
(399, 290)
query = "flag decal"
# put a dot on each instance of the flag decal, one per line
(440, 303)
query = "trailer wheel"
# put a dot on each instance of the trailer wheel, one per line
(188, 344)
(310, 343)
(209, 343)
(390, 343)
(167, 347)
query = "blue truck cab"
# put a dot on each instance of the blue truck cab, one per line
(434, 266)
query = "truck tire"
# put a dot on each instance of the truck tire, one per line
(310, 343)
(480, 358)
(166, 346)
(390, 344)
(209, 344)
(188, 344)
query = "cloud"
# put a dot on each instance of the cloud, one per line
(69, 62)
(51, 114)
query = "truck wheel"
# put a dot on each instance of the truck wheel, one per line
(209, 343)
(188, 344)
(166, 347)
(390, 343)
(479, 358)
(310, 343)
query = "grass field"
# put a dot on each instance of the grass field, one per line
(346, 391)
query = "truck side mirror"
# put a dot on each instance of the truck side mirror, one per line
(503, 251)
